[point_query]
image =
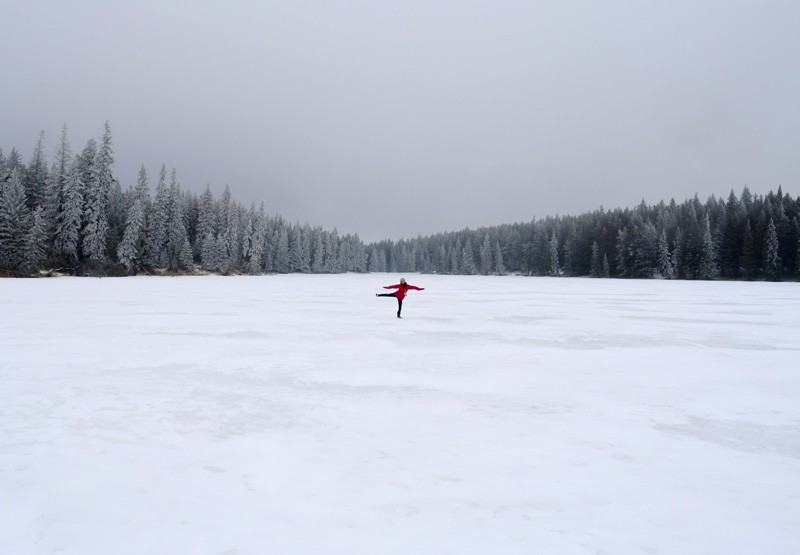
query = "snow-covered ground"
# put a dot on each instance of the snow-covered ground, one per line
(297, 414)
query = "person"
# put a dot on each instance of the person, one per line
(400, 294)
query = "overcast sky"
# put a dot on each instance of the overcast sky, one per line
(393, 119)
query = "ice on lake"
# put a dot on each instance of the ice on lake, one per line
(297, 414)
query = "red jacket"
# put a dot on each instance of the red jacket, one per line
(402, 289)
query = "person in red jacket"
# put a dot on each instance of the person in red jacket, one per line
(400, 294)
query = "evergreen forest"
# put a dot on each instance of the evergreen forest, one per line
(72, 216)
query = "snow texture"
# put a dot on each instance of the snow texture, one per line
(297, 414)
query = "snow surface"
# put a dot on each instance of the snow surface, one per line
(297, 414)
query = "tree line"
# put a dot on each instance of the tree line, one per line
(745, 237)
(74, 217)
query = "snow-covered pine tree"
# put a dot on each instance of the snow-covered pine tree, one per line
(398, 259)
(128, 251)
(191, 211)
(333, 264)
(257, 241)
(677, 254)
(227, 225)
(554, 266)
(645, 258)
(318, 255)
(730, 243)
(499, 266)
(118, 206)
(210, 256)
(441, 260)
(541, 257)
(748, 263)
(411, 257)
(206, 219)
(98, 187)
(570, 254)
(296, 251)
(94, 233)
(624, 253)
(485, 256)
(35, 177)
(84, 164)
(346, 255)
(66, 244)
(360, 254)
(426, 261)
(392, 254)
(664, 259)
(157, 222)
(383, 263)
(13, 162)
(270, 243)
(772, 261)
(455, 258)
(57, 177)
(186, 258)
(283, 262)
(247, 236)
(179, 254)
(237, 247)
(131, 248)
(228, 230)
(377, 260)
(468, 266)
(372, 262)
(595, 265)
(14, 223)
(304, 249)
(63, 160)
(708, 252)
(225, 265)
(36, 242)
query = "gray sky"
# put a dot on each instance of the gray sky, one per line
(392, 119)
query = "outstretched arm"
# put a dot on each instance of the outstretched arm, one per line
(416, 288)
(392, 286)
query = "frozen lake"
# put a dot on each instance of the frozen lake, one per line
(297, 414)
